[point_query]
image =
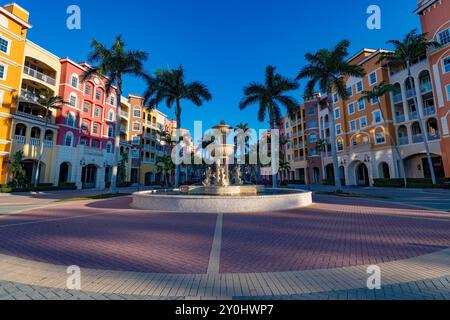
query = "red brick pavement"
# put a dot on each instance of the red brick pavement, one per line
(336, 232)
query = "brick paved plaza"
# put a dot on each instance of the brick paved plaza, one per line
(320, 252)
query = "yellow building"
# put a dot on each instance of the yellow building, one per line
(13, 31)
(41, 71)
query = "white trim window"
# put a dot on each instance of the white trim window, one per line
(5, 45)
(95, 128)
(111, 132)
(374, 100)
(373, 79)
(380, 136)
(363, 122)
(73, 100)
(2, 95)
(135, 140)
(69, 139)
(352, 125)
(335, 97)
(337, 113)
(136, 126)
(377, 116)
(75, 81)
(97, 112)
(112, 100)
(446, 65)
(448, 92)
(338, 129)
(111, 115)
(444, 37)
(3, 71)
(361, 104)
(349, 92)
(70, 119)
(359, 86)
(88, 89)
(109, 147)
(137, 113)
(340, 144)
(351, 108)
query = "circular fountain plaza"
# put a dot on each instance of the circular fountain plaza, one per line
(217, 194)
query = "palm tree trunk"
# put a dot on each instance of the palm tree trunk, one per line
(177, 167)
(41, 150)
(422, 128)
(337, 173)
(113, 187)
(401, 162)
(273, 154)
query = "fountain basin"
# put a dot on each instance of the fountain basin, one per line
(267, 201)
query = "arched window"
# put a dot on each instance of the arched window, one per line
(109, 147)
(112, 100)
(111, 131)
(74, 81)
(35, 133)
(433, 129)
(68, 139)
(70, 119)
(21, 130)
(111, 115)
(380, 135)
(49, 135)
(73, 100)
(340, 144)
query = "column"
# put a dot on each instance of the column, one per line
(405, 100)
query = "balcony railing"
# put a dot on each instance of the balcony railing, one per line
(417, 138)
(123, 129)
(413, 115)
(48, 144)
(400, 118)
(403, 140)
(429, 111)
(39, 75)
(19, 139)
(29, 96)
(124, 114)
(35, 142)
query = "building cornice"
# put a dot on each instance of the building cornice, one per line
(15, 18)
(424, 5)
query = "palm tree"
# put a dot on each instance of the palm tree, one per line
(377, 92)
(406, 51)
(327, 69)
(112, 64)
(170, 86)
(269, 96)
(243, 127)
(285, 167)
(165, 166)
(49, 102)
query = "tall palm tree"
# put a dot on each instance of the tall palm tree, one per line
(377, 92)
(171, 86)
(269, 96)
(327, 69)
(243, 127)
(285, 167)
(406, 51)
(112, 64)
(49, 102)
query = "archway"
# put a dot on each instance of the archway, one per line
(342, 175)
(362, 175)
(89, 176)
(148, 179)
(316, 175)
(383, 170)
(64, 172)
(329, 169)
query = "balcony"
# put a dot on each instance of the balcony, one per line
(362, 147)
(19, 139)
(417, 138)
(400, 118)
(124, 114)
(48, 144)
(39, 75)
(123, 129)
(35, 142)
(414, 115)
(429, 111)
(29, 96)
(403, 141)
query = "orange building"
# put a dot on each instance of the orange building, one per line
(434, 17)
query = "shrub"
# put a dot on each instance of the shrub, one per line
(412, 183)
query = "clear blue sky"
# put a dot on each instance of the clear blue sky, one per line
(224, 43)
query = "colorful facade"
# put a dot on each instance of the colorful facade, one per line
(435, 21)
(13, 32)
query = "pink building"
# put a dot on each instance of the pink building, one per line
(86, 128)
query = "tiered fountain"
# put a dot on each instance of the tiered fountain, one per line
(220, 195)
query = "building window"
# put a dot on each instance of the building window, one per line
(312, 124)
(73, 100)
(68, 140)
(134, 154)
(109, 147)
(112, 100)
(135, 140)
(446, 65)
(70, 119)
(88, 90)
(359, 87)
(3, 72)
(111, 131)
(338, 129)
(361, 104)
(136, 113)
(98, 95)
(83, 141)
(380, 136)
(136, 126)
(362, 122)
(340, 144)
(311, 111)
(351, 108)
(337, 113)
(111, 115)
(4, 45)
(313, 138)
(97, 112)
(84, 126)
(374, 100)
(377, 117)
(335, 98)
(95, 128)
(349, 91)
(74, 81)
(353, 125)
(444, 37)
(448, 93)
(2, 94)
(373, 78)
(86, 107)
